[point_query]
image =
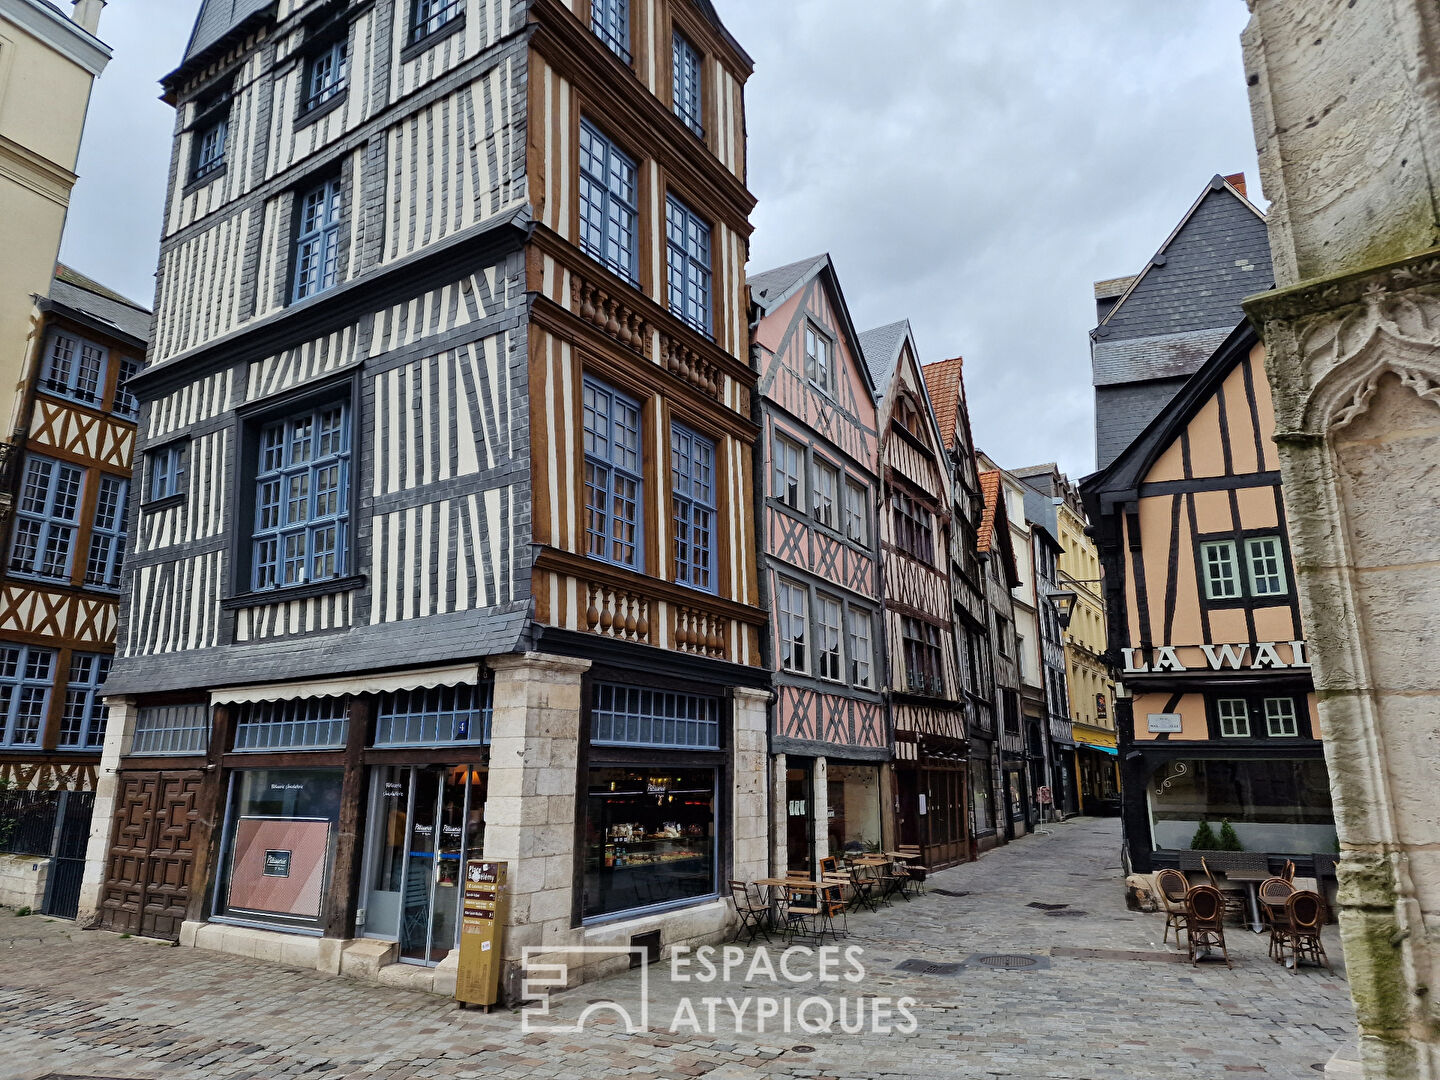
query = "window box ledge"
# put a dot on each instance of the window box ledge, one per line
(163, 504)
(294, 592)
(196, 183)
(311, 115)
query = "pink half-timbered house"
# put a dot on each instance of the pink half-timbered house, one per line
(829, 732)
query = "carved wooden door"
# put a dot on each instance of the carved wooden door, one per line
(152, 853)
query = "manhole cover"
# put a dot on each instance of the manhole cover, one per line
(1046, 907)
(951, 892)
(803, 1049)
(927, 967)
(1010, 961)
(1068, 913)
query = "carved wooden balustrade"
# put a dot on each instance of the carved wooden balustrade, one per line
(618, 613)
(679, 359)
(612, 316)
(700, 632)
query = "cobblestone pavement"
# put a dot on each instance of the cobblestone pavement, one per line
(97, 1005)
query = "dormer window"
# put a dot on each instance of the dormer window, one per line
(212, 129)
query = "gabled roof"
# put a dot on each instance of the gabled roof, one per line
(771, 289)
(1120, 480)
(881, 347)
(217, 18)
(88, 298)
(944, 382)
(994, 535)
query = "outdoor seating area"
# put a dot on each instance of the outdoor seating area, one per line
(806, 906)
(1293, 917)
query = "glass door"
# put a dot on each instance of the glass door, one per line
(422, 865)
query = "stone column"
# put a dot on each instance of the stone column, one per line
(779, 818)
(530, 800)
(1346, 108)
(750, 821)
(820, 812)
(119, 734)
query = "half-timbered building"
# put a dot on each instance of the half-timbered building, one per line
(1009, 798)
(924, 689)
(1219, 723)
(444, 540)
(65, 542)
(829, 730)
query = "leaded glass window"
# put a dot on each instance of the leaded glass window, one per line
(692, 496)
(302, 497)
(47, 514)
(612, 475)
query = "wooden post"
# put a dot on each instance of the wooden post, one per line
(209, 814)
(342, 896)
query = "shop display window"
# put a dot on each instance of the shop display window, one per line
(649, 838)
(279, 841)
(852, 795)
(1274, 804)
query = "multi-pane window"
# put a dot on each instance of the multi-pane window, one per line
(46, 518)
(317, 241)
(1002, 635)
(641, 716)
(819, 365)
(1281, 719)
(855, 515)
(862, 657)
(107, 533)
(74, 368)
(325, 75)
(301, 724)
(826, 481)
(687, 241)
(428, 16)
(127, 405)
(924, 670)
(610, 21)
(1221, 571)
(793, 623)
(914, 528)
(302, 496)
(612, 475)
(829, 626)
(166, 470)
(171, 729)
(26, 674)
(685, 85)
(82, 724)
(212, 127)
(692, 495)
(1234, 716)
(609, 211)
(442, 714)
(1266, 565)
(789, 473)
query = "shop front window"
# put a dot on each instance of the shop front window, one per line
(649, 837)
(1278, 805)
(853, 808)
(279, 843)
(982, 800)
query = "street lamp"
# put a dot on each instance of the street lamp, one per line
(1064, 601)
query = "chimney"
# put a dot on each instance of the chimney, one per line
(87, 14)
(1237, 181)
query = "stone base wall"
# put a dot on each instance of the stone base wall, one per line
(22, 881)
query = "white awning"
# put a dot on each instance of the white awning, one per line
(419, 679)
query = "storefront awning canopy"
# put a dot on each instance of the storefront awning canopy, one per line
(420, 679)
(1112, 751)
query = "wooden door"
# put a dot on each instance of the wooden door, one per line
(152, 853)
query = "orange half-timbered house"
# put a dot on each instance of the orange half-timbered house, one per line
(1219, 723)
(829, 731)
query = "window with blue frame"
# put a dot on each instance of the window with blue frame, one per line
(692, 496)
(609, 212)
(74, 368)
(317, 241)
(107, 533)
(436, 716)
(127, 406)
(165, 468)
(302, 500)
(428, 16)
(612, 475)
(26, 675)
(325, 75)
(685, 85)
(46, 517)
(610, 22)
(82, 724)
(687, 241)
(211, 130)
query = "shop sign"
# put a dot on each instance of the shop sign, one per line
(482, 918)
(1261, 656)
(1163, 722)
(277, 863)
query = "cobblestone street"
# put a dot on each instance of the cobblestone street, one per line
(96, 1005)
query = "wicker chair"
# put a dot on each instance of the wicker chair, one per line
(1273, 893)
(753, 909)
(1172, 887)
(1289, 872)
(1234, 897)
(1205, 922)
(802, 912)
(1300, 936)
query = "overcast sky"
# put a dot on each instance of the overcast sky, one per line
(973, 165)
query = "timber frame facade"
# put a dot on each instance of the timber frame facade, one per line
(830, 733)
(452, 342)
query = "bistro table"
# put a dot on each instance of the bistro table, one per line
(803, 884)
(1251, 880)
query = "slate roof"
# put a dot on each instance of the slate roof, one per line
(769, 289)
(217, 18)
(943, 382)
(79, 293)
(881, 347)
